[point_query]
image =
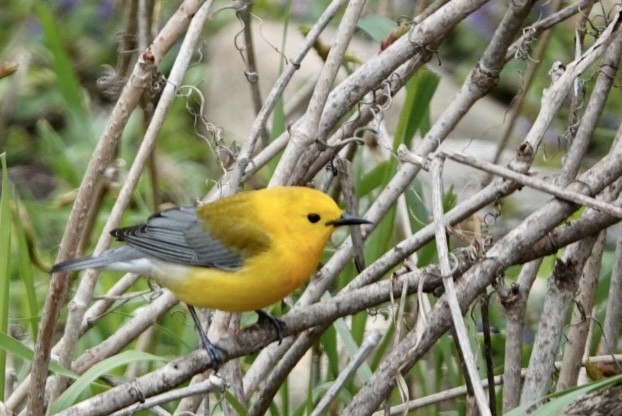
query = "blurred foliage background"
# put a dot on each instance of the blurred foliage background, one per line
(53, 108)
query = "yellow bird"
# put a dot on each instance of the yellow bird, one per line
(237, 254)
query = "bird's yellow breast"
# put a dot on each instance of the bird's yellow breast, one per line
(262, 281)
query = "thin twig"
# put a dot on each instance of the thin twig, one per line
(304, 132)
(472, 282)
(490, 370)
(462, 339)
(230, 183)
(212, 384)
(518, 100)
(126, 334)
(243, 12)
(590, 223)
(85, 290)
(367, 347)
(519, 47)
(97, 309)
(593, 111)
(535, 183)
(578, 342)
(452, 393)
(515, 304)
(613, 314)
(554, 96)
(561, 289)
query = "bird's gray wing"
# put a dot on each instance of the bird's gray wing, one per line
(178, 236)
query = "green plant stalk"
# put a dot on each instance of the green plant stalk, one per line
(284, 393)
(5, 253)
(27, 277)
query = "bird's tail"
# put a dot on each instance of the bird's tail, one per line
(104, 260)
(80, 264)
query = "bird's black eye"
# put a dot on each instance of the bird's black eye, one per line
(313, 218)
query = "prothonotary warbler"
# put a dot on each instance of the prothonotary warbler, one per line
(237, 254)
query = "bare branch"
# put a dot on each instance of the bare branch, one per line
(459, 326)
(102, 156)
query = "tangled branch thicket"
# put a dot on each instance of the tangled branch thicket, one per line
(344, 129)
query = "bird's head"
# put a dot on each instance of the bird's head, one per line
(306, 214)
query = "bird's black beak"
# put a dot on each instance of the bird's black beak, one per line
(347, 219)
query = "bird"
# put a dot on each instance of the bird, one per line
(237, 254)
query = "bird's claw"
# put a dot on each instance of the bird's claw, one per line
(275, 323)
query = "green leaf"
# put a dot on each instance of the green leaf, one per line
(374, 178)
(377, 27)
(564, 398)
(70, 395)
(419, 92)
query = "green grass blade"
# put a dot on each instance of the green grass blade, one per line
(384, 346)
(351, 347)
(52, 143)
(330, 350)
(10, 344)
(70, 395)
(235, 403)
(5, 253)
(358, 325)
(284, 394)
(27, 277)
(68, 83)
